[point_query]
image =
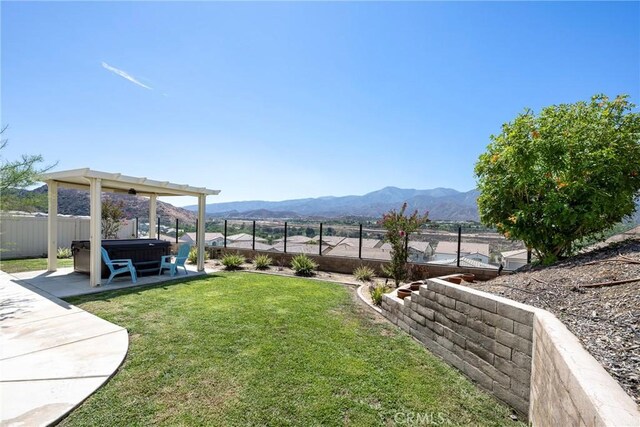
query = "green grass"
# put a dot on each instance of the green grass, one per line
(247, 349)
(30, 264)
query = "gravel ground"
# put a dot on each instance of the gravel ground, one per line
(606, 319)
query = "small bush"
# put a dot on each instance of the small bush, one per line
(377, 291)
(303, 265)
(64, 253)
(417, 272)
(262, 261)
(232, 261)
(364, 273)
(193, 255)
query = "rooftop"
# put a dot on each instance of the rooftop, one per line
(465, 247)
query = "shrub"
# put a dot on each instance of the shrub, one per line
(112, 212)
(417, 272)
(377, 291)
(232, 261)
(565, 174)
(262, 261)
(303, 265)
(363, 273)
(399, 227)
(64, 253)
(193, 255)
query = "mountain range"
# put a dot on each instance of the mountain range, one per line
(442, 203)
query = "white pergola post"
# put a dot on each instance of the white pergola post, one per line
(97, 182)
(95, 235)
(52, 225)
(152, 216)
(202, 200)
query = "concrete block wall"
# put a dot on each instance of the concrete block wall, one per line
(524, 356)
(487, 338)
(569, 386)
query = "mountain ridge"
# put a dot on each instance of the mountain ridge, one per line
(442, 203)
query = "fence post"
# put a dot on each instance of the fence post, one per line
(459, 238)
(360, 244)
(136, 227)
(225, 233)
(253, 243)
(320, 242)
(159, 228)
(285, 237)
(177, 225)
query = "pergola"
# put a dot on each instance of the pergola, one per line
(97, 182)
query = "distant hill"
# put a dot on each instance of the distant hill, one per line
(442, 203)
(76, 202)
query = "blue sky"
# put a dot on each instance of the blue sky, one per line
(286, 100)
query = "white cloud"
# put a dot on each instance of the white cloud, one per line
(125, 75)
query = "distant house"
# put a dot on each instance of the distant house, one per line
(513, 260)
(210, 239)
(300, 248)
(243, 237)
(353, 252)
(331, 240)
(475, 251)
(418, 251)
(302, 240)
(260, 246)
(465, 262)
(355, 241)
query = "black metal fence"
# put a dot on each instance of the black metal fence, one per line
(446, 243)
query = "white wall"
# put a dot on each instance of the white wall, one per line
(26, 236)
(514, 264)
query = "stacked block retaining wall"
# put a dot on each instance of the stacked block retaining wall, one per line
(522, 355)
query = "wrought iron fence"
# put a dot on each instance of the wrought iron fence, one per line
(440, 243)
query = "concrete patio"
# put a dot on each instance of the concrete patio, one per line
(54, 355)
(65, 283)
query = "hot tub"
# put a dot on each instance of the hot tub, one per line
(144, 253)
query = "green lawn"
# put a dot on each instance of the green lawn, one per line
(248, 349)
(30, 264)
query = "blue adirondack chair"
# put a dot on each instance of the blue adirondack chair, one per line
(167, 263)
(118, 266)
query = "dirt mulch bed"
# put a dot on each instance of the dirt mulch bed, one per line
(606, 319)
(346, 279)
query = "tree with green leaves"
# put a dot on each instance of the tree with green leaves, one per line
(112, 212)
(566, 174)
(16, 175)
(399, 227)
